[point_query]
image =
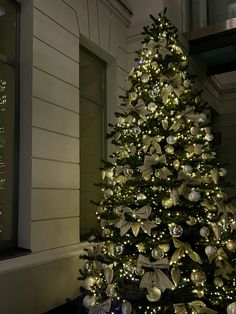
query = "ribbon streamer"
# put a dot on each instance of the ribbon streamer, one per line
(188, 113)
(196, 307)
(152, 143)
(155, 278)
(184, 248)
(224, 267)
(142, 222)
(225, 209)
(150, 161)
(102, 308)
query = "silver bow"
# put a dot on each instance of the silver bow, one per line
(102, 308)
(156, 277)
(142, 222)
(152, 143)
(162, 43)
(188, 113)
(150, 161)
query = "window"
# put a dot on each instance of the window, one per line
(8, 124)
(92, 134)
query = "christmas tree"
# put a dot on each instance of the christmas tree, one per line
(168, 231)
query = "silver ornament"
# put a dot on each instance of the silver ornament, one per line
(110, 291)
(165, 247)
(88, 266)
(133, 96)
(120, 120)
(119, 249)
(194, 196)
(154, 92)
(204, 232)
(188, 169)
(126, 308)
(197, 149)
(141, 197)
(89, 282)
(157, 220)
(108, 192)
(191, 221)
(106, 232)
(157, 253)
(194, 130)
(187, 83)
(231, 308)
(209, 137)
(175, 230)
(210, 252)
(128, 171)
(198, 276)
(171, 139)
(136, 130)
(154, 294)
(139, 271)
(202, 117)
(118, 210)
(152, 106)
(222, 172)
(88, 301)
(218, 282)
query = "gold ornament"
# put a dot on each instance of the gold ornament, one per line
(176, 164)
(231, 245)
(218, 282)
(169, 149)
(154, 294)
(139, 271)
(191, 221)
(204, 232)
(157, 253)
(200, 293)
(175, 230)
(167, 203)
(231, 308)
(152, 106)
(89, 282)
(165, 247)
(110, 291)
(198, 277)
(145, 78)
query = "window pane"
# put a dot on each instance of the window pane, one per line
(92, 116)
(7, 114)
(7, 29)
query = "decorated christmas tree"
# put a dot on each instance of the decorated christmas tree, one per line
(168, 233)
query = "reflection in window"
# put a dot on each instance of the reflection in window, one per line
(92, 147)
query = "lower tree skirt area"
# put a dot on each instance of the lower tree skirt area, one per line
(70, 307)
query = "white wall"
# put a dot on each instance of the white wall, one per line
(49, 214)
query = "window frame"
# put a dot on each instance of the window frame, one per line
(10, 247)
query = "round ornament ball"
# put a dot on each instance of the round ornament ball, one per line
(118, 210)
(198, 277)
(145, 78)
(204, 232)
(120, 120)
(89, 282)
(197, 149)
(119, 249)
(184, 64)
(157, 253)
(154, 294)
(126, 308)
(194, 130)
(136, 130)
(171, 139)
(194, 196)
(210, 251)
(88, 301)
(133, 96)
(128, 171)
(218, 282)
(167, 203)
(108, 192)
(188, 169)
(222, 172)
(231, 308)
(176, 230)
(154, 92)
(187, 83)
(199, 292)
(202, 117)
(88, 266)
(191, 221)
(110, 291)
(152, 106)
(139, 271)
(106, 232)
(169, 149)
(165, 247)
(209, 137)
(231, 245)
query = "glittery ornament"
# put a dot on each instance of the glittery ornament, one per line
(188, 169)
(106, 232)
(171, 139)
(175, 230)
(157, 220)
(139, 271)
(133, 96)
(218, 282)
(210, 252)
(152, 106)
(198, 277)
(119, 249)
(136, 130)
(167, 203)
(128, 171)
(126, 308)
(194, 196)
(169, 149)
(145, 78)
(231, 308)
(204, 232)
(108, 192)
(194, 130)
(118, 210)
(191, 221)
(231, 245)
(176, 164)
(89, 282)
(89, 301)
(165, 247)
(110, 291)
(88, 266)
(157, 253)
(187, 83)
(120, 120)
(154, 92)
(154, 294)
(197, 149)
(222, 172)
